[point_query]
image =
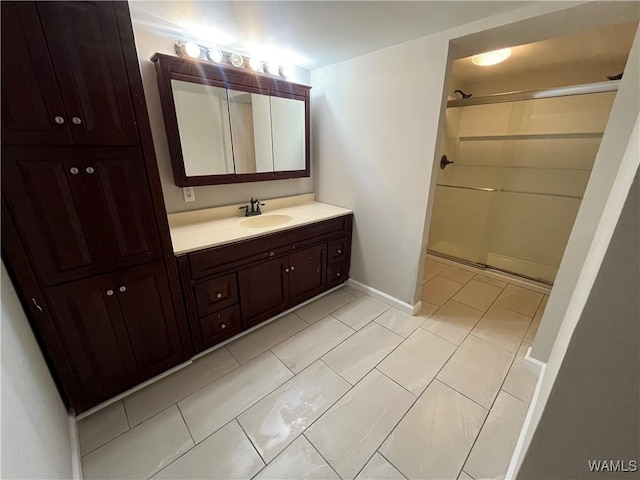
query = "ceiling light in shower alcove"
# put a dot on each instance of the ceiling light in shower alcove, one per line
(491, 58)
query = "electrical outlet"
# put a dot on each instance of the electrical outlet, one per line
(189, 194)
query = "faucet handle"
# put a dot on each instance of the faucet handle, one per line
(258, 205)
(246, 209)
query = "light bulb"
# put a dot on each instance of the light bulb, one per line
(236, 60)
(491, 58)
(255, 63)
(286, 71)
(192, 49)
(215, 54)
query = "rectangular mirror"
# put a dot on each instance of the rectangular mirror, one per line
(230, 125)
(203, 125)
(251, 132)
(288, 130)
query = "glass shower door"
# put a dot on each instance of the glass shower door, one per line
(510, 199)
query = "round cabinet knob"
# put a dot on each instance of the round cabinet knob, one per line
(286, 270)
(223, 326)
(74, 171)
(293, 268)
(76, 120)
(338, 274)
(89, 170)
(339, 251)
(272, 254)
(109, 292)
(218, 295)
(58, 119)
(122, 288)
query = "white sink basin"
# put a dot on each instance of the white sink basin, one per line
(262, 221)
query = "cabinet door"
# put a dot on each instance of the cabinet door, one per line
(146, 303)
(47, 196)
(84, 43)
(88, 318)
(307, 273)
(116, 178)
(263, 291)
(31, 101)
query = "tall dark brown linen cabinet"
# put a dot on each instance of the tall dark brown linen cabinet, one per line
(84, 228)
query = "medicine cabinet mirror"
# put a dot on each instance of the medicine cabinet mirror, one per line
(230, 125)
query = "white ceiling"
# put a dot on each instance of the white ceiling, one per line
(321, 32)
(607, 46)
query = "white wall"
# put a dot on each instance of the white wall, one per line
(375, 123)
(592, 398)
(35, 429)
(149, 42)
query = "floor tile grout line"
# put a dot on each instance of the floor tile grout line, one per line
(244, 432)
(490, 409)
(404, 388)
(129, 430)
(185, 424)
(126, 415)
(320, 453)
(328, 313)
(308, 426)
(234, 357)
(306, 366)
(403, 339)
(417, 398)
(390, 463)
(307, 325)
(190, 449)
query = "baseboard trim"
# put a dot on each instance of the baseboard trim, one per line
(76, 457)
(386, 298)
(533, 364)
(518, 451)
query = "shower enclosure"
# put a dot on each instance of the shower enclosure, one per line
(521, 165)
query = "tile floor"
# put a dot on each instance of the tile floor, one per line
(344, 387)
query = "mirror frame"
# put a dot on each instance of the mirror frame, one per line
(169, 67)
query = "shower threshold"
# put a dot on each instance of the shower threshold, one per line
(483, 268)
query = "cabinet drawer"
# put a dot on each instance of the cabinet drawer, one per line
(220, 326)
(216, 294)
(338, 250)
(227, 257)
(337, 273)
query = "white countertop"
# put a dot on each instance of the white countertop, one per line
(199, 229)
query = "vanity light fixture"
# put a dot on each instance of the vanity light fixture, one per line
(255, 63)
(286, 71)
(491, 58)
(215, 54)
(192, 49)
(236, 60)
(273, 68)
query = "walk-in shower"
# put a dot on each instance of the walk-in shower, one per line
(521, 163)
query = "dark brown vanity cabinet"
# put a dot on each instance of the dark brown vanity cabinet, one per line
(244, 283)
(81, 211)
(66, 61)
(85, 234)
(269, 288)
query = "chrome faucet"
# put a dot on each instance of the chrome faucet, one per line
(255, 208)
